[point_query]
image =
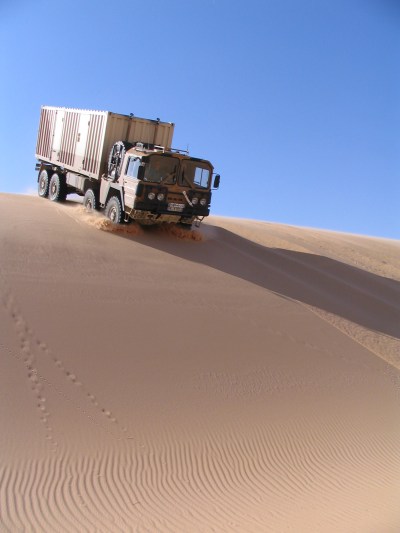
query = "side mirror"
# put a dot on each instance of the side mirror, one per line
(217, 181)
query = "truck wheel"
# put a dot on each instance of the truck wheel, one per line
(43, 184)
(185, 225)
(114, 210)
(57, 188)
(90, 201)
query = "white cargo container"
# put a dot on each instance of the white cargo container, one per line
(80, 140)
(122, 164)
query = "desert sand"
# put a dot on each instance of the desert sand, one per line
(241, 377)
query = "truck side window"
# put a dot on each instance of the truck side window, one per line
(132, 167)
(201, 177)
(195, 174)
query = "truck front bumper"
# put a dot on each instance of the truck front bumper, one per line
(174, 211)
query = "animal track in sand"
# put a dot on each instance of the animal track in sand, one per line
(29, 346)
(28, 358)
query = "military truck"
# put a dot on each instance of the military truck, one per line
(121, 164)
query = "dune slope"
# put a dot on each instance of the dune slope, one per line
(242, 377)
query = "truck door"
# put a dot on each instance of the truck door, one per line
(81, 140)
(58, 129)
(129, 179)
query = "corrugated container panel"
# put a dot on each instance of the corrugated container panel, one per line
(45, 135)
(80, 140)
(164, 135)
(140, 130)
(94, 144)
(69, 138)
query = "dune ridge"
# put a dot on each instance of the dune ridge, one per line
(243, 376)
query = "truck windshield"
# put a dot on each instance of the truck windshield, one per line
(195, 174)
(161, 169)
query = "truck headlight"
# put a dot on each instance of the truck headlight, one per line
(151, 196)
(195, 201)
(203, 201)
(160, 196)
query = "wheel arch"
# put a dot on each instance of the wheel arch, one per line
(44, 166)
(114, 190)
(91, 184)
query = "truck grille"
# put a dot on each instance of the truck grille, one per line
(176, 198)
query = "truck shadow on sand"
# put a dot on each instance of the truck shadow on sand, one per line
(349, 292)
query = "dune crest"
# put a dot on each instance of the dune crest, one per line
(243, 376)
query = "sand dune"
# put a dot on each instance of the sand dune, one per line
(241, 377)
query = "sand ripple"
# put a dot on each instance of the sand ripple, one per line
(190, 485)
(244, 382)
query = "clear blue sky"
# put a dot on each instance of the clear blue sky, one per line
(295, 102)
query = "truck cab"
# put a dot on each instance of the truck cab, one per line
(158, 185)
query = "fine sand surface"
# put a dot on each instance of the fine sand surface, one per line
(241, 377)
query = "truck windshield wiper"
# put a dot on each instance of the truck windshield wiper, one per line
(167, 176)
(187, 181)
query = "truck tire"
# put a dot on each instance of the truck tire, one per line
(114, 210)
(43, 184)
(57, 188)
(185, 226)
(90, 201)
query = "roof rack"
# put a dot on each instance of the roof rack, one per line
(179, 151)
(147, 147)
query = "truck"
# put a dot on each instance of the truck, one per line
(123, 165)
